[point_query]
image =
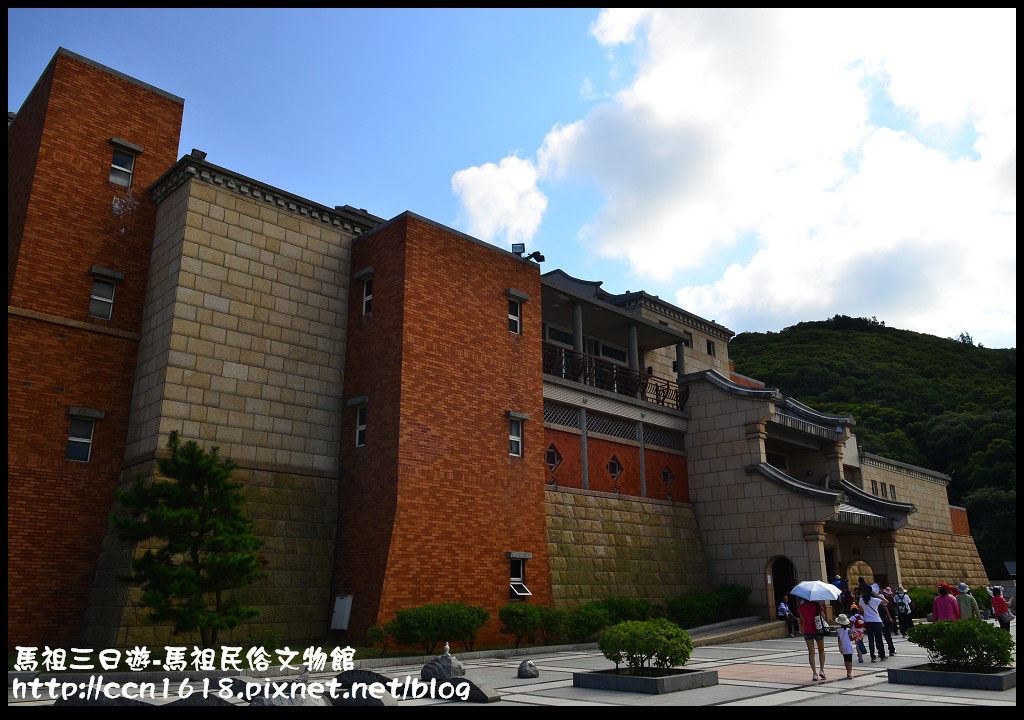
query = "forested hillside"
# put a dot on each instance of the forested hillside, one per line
(944, 404)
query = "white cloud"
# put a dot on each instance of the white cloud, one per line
(502, 201)
(865, 160)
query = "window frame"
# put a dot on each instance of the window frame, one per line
(82, 417)
(120, 173)
(515, 437)
(515, 316)
(361, 426)
(98, 301)
(368, 296)
(517, 576)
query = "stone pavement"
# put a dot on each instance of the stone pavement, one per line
(766, 672)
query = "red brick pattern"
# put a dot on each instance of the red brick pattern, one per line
(432, 504)
(59, 152)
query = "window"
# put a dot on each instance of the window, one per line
(81, 432)
(892, 492)
(517, 575)
(515, 437)
(667, 477)
(874, 487)
(515, 316)
(558, 335)
(361, 426)
(711, 348)
(122, 167)
(368, 296)
(101, 302)
(614, 468)
(80, 440)
(885, 491)
(516, 298)
(552, 457)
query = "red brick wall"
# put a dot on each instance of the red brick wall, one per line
(57, 510)
(656, 461)
(442, 499)
(958, 517)
(569, 472)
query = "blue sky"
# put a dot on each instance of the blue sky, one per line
(757, 167)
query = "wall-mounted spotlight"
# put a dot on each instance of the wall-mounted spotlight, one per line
(520, 248)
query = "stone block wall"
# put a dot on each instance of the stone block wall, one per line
(606, 545)
(928, 557)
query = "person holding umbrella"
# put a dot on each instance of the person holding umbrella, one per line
(812, 620)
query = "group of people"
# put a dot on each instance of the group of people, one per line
(959, 604)
(879, 614)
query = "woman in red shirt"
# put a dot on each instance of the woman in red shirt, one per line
(808, 611)
(999, 605)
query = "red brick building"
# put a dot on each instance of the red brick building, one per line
(417, 416)
(82, 150)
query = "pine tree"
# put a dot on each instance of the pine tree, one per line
(200, 543)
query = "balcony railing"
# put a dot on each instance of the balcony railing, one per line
(596, 372)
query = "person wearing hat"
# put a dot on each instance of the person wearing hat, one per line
(844, 636)
(904, 610)
(969, 607)
(857, 627)
(1000, 607)
(944, 606)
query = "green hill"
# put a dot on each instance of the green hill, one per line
(944, 404)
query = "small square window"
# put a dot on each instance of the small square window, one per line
(361, 426)
(368, 297)
(80, 435)
(552, 457)
(515, 437)
(101, 302)
(122, 167)
(515, 316)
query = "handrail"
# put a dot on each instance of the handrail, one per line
(598, 372)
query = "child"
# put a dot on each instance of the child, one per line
(844, 635)
(857, 626)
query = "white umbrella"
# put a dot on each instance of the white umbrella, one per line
(815, 590)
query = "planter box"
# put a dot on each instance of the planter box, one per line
(1002, 679)
(665, 682)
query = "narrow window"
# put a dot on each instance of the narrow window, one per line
(874, 487)
(361, 426)
(892, 492)
(80, 435)
(885, 491)
(515, 316)
(711, 348)
(101, 302)
(517, 578)
(122, 167)
(368, 297)
(515, 437)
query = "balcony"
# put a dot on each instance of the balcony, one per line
(597, 372)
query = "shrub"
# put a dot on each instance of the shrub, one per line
(428, 626)
(586, 621)
(520, 620)
(552, 623)
(707, 606)
(973, 645)
(381, 635)
(266, 637)
(646, 644)
(922, 597)
(621, 609)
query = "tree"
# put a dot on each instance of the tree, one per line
(200, 542)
